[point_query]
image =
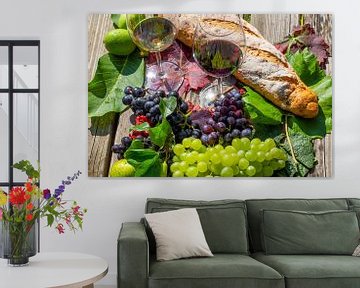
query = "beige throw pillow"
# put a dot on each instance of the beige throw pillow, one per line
(178, 234)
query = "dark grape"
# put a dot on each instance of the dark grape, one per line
(207, 129)
(128, 90)
(184, 107)
(160, 94)
(238, 114)
(148, 105)
(196, 133)
(127, 99)
(204, 139)
(220, 126)
(156, 100)
(235, 133)
(230, 120)
(227, 137)
(138, 92)
(246, 132)
(126, 141)
(174, 94)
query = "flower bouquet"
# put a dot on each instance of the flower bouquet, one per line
(21, 208)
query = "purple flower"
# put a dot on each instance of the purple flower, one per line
(46, 194)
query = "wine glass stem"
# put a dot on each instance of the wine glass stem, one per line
(158, 62)
(220, 86)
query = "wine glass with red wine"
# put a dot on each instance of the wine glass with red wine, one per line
(155, 33)
(219, 51)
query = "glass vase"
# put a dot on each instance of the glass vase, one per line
(18, 242)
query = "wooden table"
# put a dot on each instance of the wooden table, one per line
(106, 131)
(50, 270)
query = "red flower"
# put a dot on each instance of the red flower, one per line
(27, 196)
(29, 217)
(29, 186)
(29, 206)
(60, 228)
(17, 196)
(135, 133)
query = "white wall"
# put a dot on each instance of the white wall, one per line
(62, 28)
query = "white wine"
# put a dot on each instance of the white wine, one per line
(154, 34)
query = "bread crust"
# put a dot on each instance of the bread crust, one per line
(264, 68)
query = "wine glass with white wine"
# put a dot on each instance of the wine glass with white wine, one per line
(219, 51)
(155, 33)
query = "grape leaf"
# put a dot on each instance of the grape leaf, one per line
(112, 75)
(305, 37)
(160, 133)
(323, 89)
(263, 132)
(306, 66)
(145, 161)
(260, 110)
(167, 106)
(304, 154)
(315, 128)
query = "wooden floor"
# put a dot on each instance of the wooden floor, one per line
(105, 131)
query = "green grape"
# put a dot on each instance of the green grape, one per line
(215, 168)
(227, 172)
(262, 147)
(260, 156)
(215, 158)
(176, 159)
(257, 166)
(218, 147)
(227, 160)
(243, 163)
(178, 149)
(279, 153)
(178, 173)
(183, 156)
(250, 171)
(274, 164)
(175, 166)
(250, 155)
(281, 163)
(245, 143)
(255, 141)
(202, 157)
(241, 174)
(210, 151)
(183, 166)
(187, 142)
(202, 149)
(283, 156)
(270, 143)
(236, 169)
(236, 143)
(192, 171)
(254, 147)
(235, 158)
(202, 166)
(268, 171)
(241, 153)
(196, 144)
(191, 158)
(223, 152)
(268, 156)
(230, 149)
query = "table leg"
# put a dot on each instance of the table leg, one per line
(89, 286)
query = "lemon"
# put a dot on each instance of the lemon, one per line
(119, 42)
(122, 168)
(121, 23)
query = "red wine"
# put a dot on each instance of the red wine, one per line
(219, 58)
(154, 34)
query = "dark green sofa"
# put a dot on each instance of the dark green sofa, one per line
(233, 231)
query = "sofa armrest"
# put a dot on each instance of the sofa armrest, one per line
(133, 256)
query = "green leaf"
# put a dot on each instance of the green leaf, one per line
(26, 167)
(136, 144)
(167, 106)
(141, 127)
(304, 154)
(50, 219)
(115, 19)
(160, 133)
(140, 154)
(314, 128)
(260, 110)
(113, 74)
(323, 89)
(149, 168)
(264, 131)
(306, 66)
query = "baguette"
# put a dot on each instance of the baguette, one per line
(264, 68)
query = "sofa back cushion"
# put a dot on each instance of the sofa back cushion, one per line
(298, 232)
(255, 206)
(223, 221)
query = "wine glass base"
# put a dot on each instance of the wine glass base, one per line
(170, 79)
(210, 93)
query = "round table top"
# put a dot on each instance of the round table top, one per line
(45, 270)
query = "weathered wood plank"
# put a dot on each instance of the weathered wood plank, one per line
(323, 148)
(101, 130)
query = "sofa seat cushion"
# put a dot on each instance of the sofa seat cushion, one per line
(314, 271)
(222, 270)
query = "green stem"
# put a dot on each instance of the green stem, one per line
(289, 141)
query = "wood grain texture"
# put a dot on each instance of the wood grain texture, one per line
(101, 130)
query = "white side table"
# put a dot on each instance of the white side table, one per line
(50, 270)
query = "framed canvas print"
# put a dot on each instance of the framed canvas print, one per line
(210, 95)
